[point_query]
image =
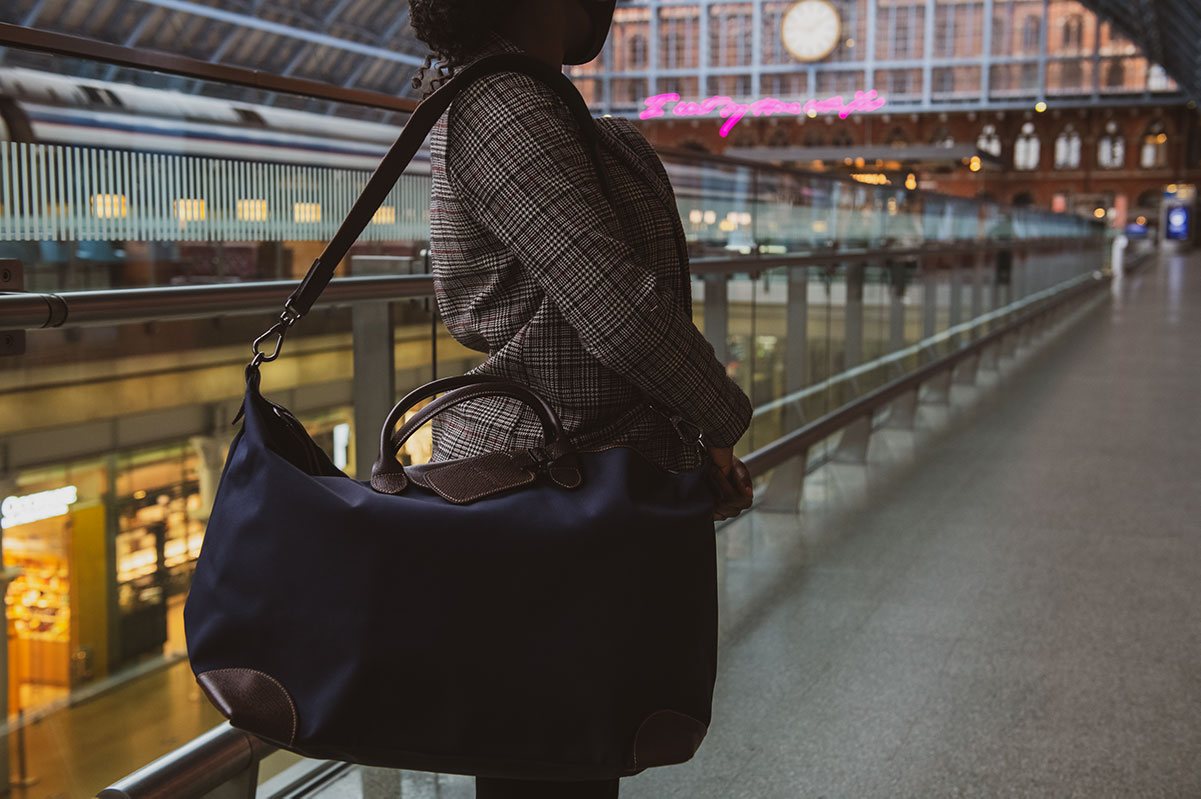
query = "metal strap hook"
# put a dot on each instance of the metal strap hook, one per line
(280, 329)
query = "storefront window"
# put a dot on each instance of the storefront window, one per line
(53, 532)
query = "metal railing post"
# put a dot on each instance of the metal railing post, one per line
(929, 300)
(956, 310)
(853, 316)
(896, 311)
(373, 382)
(796, 332)
(717, 314)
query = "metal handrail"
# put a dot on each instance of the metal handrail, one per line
(39, 310)
(204, 764)
(800, 440)
(225, 754)
(35, 311)
(137, 58)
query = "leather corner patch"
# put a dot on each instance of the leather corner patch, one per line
(389, 482)
(253, 701)
(665, 738)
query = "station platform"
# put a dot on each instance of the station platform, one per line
(1010, 610)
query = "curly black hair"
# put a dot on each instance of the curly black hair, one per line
(453, 30)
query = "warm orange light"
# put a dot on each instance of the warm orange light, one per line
(306, 212)
(109, 206)
(1040, 106)
(252, 210)
(975, 164)
(1099, 213)
(189, 209)
(911, 181)
(1142, 220)
(384, 215)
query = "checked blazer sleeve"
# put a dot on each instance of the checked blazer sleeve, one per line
(523, 172)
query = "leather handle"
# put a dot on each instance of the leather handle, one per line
(387, 474)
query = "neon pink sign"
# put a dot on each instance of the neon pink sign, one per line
(733, 112)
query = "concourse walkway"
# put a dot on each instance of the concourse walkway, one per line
(1013, 610)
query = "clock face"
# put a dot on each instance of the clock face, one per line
(811, 29)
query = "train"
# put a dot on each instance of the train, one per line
(45, 108)
(49, 108)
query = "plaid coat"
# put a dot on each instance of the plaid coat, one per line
(587, 304)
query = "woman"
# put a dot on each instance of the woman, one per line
(587, 303)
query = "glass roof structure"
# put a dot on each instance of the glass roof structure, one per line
(924, 54)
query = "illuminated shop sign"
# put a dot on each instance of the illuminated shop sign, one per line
(35, 507)
(1178, 223)
(733, 112)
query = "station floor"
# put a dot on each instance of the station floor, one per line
(1002, 602)
(1013, 612)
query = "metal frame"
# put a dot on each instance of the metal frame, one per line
(1132, 18)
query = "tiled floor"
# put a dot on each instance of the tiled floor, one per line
(1013, 611)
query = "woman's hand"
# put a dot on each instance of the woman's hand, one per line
(730, 482)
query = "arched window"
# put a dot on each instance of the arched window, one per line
(1154, 152)
(1073, 32)
(1067, 148)
(897, 137)
(813, 137)
(1111, 149)
(1115, 76)
(1022, 198)
(1071, 75)
(1029, 77)
(1149, 200)
(1027, 149)
(636, 52)
(942, 137)
(1032, 34)
(779, 137)
(841, 139)
(988, 141)
(944, 80)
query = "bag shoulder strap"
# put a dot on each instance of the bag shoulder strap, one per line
(422, 120)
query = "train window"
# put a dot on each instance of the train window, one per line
(251, 117)
(102, 96)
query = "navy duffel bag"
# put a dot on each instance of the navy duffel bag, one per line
(544, 614)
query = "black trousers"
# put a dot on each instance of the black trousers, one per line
(493, 788)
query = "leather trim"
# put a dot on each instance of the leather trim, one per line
(389, 482)
(667, 737)
(253, 701)
(468, 479)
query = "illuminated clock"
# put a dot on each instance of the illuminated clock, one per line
(811, 29)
